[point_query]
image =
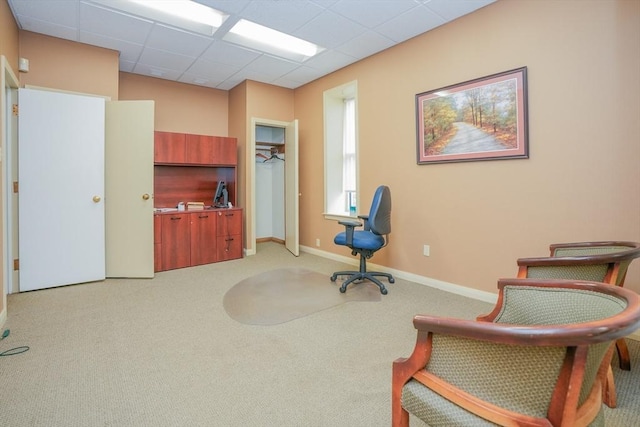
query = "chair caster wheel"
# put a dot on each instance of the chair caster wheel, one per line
(343, 289)
(333, 278)
(384, 291)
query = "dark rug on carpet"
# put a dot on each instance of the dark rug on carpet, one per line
(286, 294)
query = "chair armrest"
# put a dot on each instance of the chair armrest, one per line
(365, 218)
(350, 226)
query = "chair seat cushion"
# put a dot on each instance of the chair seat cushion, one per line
(361, 240)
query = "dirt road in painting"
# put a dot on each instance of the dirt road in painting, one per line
(469, 139)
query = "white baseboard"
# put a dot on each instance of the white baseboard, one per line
(434, 283)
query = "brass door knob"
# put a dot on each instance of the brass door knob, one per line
(145, 196)
(96, 199)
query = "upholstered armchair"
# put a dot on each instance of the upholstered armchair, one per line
(538, 359)
(605, 261)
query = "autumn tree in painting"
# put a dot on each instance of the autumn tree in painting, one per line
(491, 108)
(439, 117)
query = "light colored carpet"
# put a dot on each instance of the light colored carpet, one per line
(285, 294)
(163, 352)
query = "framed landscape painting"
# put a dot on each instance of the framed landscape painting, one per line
(482, 119)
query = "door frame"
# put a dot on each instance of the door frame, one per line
(9, 142)
(251, 173)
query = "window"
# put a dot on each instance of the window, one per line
(341, 150)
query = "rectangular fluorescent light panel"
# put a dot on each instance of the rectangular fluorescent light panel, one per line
(185, 14)
(259, 37)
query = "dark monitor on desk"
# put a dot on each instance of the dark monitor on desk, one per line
(221, 198)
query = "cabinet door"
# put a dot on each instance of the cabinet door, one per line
(169, 147)
(210, 150)
(176, 247)
(203, 237)
(227, 153)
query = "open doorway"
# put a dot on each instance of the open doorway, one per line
(273, 214)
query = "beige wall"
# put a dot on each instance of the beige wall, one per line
(8, 36)
(180, 107)
(581, 182)
(66, 65)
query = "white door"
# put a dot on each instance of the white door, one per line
(129, 188)
(61, 189)
(291, 202)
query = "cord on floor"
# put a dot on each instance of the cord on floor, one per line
(12, 351)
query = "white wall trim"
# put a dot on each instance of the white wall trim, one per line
(433, 283)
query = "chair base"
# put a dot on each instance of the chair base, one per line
(358, 275)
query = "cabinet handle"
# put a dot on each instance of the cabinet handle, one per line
(145, 196)
(229, 214)
(203, 216)
(173, 218)
(96, 199)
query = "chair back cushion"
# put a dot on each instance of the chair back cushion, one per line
(595, 250)
(380, 212)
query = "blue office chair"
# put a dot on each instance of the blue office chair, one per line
(374, 236)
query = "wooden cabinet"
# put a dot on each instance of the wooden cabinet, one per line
(169, 147)
(185, 239)
(203, 237)
(210, 150)
(229, 234)
(198, 150)
(176, 243)
(187, 168)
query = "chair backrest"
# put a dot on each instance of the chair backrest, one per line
(380, 212)
(598, 261)
(624, 253)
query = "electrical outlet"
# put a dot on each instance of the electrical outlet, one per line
(318, 242)
(426, 250)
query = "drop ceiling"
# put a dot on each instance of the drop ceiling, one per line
(348, 30)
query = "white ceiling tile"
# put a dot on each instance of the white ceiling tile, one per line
(371, 13)
(409, 24)
(174, 40)
(128, 51)
(62, 12)
(157, 72)
(127, 66)
(329, 30)
(365, 45)
(211, 70)
(113, 24)
(303, 74)
(271, 66)
(167, 60)
(50, 29)
(285, 16)
(226, 6)
(329, 61)
(230, 54)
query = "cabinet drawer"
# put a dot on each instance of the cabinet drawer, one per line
(229, 247)
(229, 222)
